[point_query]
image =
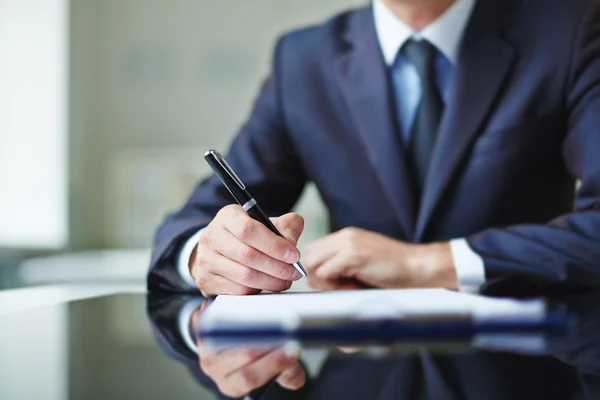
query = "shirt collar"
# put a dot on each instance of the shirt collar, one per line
(445, 33)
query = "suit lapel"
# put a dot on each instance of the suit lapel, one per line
(363, 79)
(483, 67)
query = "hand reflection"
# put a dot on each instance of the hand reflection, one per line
(239, 371)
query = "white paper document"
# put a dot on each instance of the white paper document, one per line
(291, 308)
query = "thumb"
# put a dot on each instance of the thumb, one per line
(291, 226)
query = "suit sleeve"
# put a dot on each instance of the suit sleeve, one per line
(265, 159)
(565, 251)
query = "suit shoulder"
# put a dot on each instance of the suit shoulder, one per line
(554, 22)
(574, 10)
(322, 37)
(577, 6)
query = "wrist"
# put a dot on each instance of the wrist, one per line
(434, 266)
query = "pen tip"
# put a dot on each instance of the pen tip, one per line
(300, 269)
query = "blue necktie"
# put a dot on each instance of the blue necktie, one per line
(422, 55)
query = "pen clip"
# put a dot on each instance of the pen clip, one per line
(228, 169)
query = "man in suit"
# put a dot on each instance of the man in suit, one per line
(445, 138)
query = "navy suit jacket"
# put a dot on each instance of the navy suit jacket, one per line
(521, 125)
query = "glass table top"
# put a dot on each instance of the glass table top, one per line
(121, 343)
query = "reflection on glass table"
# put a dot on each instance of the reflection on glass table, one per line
(530, 366)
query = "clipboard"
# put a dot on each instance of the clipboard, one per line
(375, 316)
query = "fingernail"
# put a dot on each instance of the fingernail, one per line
(292, 349)
(297, 275)
(290, 256)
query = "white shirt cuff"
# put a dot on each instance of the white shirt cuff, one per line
(183, 262)
(183, 322)
(470, 269)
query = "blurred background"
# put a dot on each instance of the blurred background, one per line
(106, 108)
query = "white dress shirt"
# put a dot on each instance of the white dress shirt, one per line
(445, 34)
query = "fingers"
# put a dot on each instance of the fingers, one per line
(320, 250)
(332, 261)
(334, 268)
(228, 246)
(261, 371)
(212, 284)
(224, 363)
(322, 259)
(238, 372)
(254, 234)
(237, 255)
(249, 277)
(292, 378)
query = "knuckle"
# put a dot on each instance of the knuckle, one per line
(248, 255)
(353, 238)
(222, 214)
(229, 211)
(206, 236)
(350, 233)
(245, 229)
(276, 248)
(201, 269)
(227, 215)
(203, 281)
(247, 275)
(200, 258)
